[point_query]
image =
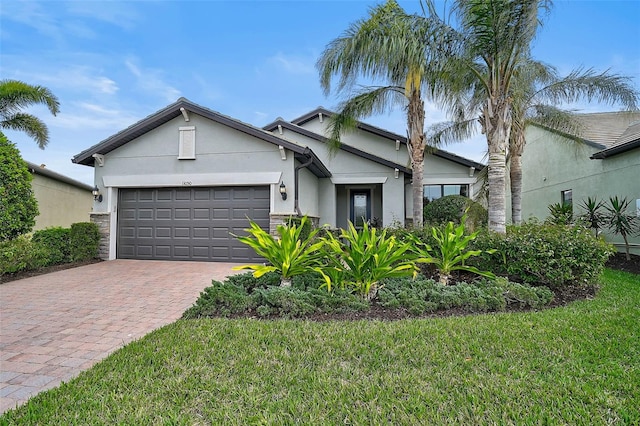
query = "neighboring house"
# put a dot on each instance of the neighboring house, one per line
(603, 163)
(61, 200)
(178, 184)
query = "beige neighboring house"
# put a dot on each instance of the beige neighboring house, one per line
(61, 200)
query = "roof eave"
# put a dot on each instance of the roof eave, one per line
(600, 155)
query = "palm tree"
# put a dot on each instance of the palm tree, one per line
(16, 95)
(536, 89)
(493, 45)
(393, 47)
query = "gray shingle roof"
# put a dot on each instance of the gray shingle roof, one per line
(40, 170)
(607, 128)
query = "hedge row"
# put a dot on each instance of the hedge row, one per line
(51, 246)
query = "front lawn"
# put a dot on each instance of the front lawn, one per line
(578, 364)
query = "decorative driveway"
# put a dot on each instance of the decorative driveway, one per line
(54, 326)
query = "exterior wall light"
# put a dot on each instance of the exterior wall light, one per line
(283, 191)
(97, 196)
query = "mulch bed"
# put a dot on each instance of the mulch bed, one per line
(561, 297)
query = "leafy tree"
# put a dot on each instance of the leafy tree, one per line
(16, 95)
(397, 49)
(18, 206)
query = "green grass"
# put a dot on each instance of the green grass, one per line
(574, 365)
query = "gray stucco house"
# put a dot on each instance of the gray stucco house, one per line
(178, 183)
(603, 162)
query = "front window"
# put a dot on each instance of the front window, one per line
(433, 192)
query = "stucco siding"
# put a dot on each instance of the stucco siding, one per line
(308, 193)
(221, 153)
(551, 165)
(60, 203)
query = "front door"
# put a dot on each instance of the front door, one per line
(360, 207)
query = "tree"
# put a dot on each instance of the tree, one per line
(493, 45)
(16, 95)
(619, 220)
(536, 89)
(18, 206)
(396, 48)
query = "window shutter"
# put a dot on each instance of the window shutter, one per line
(187, 147)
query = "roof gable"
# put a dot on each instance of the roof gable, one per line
(343, 147)
(302, 154)
(382, 133)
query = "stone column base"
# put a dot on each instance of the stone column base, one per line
(103, 220)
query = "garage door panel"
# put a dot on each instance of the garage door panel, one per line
(189, 223)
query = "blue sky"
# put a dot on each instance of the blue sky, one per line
(113, 63)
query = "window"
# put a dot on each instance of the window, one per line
(567, 197)
(433, 192)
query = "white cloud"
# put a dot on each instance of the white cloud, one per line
(120, 14)
(151, 81)
(292, 64)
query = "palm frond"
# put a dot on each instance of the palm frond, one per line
(30, 124)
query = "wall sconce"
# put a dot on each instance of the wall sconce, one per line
(97, 196)
(283, 191)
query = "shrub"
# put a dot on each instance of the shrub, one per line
(18, 205)
(451, 208)
(544, 254)
(57, 241)
(220, 299)
(620, 221)
(424, 295)
(290, 255)
(364, 258)
(21, 254)
(560, 214)
(303, 223)
(450, 252)
(84, 238)
(283, 301)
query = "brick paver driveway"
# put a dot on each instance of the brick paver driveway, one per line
(54, 326)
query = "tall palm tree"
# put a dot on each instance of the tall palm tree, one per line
(395, 48)
(536, 90)
(494, 42)
(15, 96)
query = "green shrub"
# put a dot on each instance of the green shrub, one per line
(422, 296)
(304, 224)
(84, 239)
(451, 208)
(290, 255)
(560, 214)
(57, 241)
(544, 254)
(220, 299)
(250, 282)
(283, 301)
(18, 205)
(361, 258)
(21, 254)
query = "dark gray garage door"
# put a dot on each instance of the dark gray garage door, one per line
(189, 223)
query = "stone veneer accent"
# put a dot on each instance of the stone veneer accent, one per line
(281, 218)
(103, 220)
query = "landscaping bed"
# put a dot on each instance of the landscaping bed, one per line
(46, 270)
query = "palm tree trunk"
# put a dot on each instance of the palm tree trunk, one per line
(415, 121)
(497, 126)
(515, 176)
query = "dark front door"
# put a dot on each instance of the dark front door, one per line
(360, 206)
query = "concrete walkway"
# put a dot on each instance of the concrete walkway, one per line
(54, 326)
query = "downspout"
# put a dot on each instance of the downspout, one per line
(296, 205)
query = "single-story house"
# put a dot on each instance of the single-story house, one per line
(62, 201)
(179, 183)
(603, 162)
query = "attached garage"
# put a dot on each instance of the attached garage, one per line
(189, 223)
